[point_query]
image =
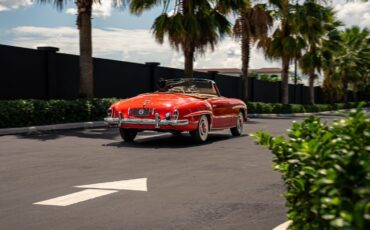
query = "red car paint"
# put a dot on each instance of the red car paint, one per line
(222, 112)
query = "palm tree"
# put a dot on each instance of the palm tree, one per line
(284, 44)
(313, 22)
(191, 27)
(328, 50)
(347, 61)
(352, 60)
(84, 13)
(253, 23)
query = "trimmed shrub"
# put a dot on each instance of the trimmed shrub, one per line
(326, 170)
(19, 113)
(266, 108)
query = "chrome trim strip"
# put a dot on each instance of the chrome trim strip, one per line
(112, 120)
(156, 122)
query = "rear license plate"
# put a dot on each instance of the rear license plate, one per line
(141, 112)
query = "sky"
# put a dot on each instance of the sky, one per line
(119, 35)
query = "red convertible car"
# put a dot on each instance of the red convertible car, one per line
(181, 105)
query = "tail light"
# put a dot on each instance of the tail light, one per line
(168, 116)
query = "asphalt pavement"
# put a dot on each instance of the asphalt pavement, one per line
(227, 183)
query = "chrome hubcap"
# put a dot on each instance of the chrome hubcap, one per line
(240, 123)
(203, 128)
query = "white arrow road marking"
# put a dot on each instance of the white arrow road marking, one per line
(97, 190)
(283, 226)
(135, 184)
(76, 197)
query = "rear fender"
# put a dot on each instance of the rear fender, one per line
(241, 108)
(197, 115)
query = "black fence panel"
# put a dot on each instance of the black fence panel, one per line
(23, 73)
(350, 96)
(305, 95)
(228, 85)
(361, 96)
(46, 74)
(168, 73)
(291, 93)
(250, 92)
(203, 75)
(297, 91)
(319, 95)
(266, 91)
(68, 76)
(120, 79)
(165, 73)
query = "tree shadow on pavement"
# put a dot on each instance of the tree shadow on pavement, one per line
(95, 133)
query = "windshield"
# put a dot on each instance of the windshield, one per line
(200, 88)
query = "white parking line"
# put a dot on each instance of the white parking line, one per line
(77, 197)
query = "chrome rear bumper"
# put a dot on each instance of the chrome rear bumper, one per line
(136, 121)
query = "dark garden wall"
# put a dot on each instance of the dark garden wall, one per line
(23, 73)
(46, 74)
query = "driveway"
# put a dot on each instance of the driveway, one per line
(227, 183)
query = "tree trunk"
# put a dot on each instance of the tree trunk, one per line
(189, 57)
(311, 82)
(285, 81)
(245, 45)
(188, 47)
(86, 60)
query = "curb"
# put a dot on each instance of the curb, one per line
(34, 129)
(283, 115)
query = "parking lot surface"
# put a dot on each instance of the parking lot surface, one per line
(227, 183)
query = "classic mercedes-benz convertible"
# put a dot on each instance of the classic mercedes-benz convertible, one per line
(181, 105)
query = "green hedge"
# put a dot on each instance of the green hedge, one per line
(326, 170)
(265, 108)
(19, 113)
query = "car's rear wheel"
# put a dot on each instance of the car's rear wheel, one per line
(200, 135)
(128, 135)
(238, 129)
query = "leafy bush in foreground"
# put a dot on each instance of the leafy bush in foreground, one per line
(326, 169)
